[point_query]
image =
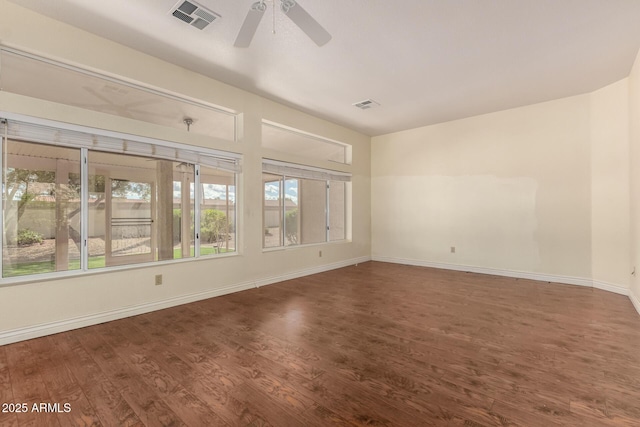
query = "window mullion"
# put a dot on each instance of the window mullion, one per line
(327, 211)
(84, 209)
(3, 159)
(284, 210)
(196, 211)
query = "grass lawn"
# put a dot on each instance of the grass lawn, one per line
(177, 253)
(39, 267)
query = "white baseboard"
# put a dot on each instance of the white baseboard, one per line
(21, 334)
(492, 271)
(26, 333)
(310, 271)
(520, 275)
(635, 301)
(41, 330)
(616, 289)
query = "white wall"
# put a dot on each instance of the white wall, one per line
(540, 191)
(510, 190)
(610, 211)
(634, 163)
(41, 307)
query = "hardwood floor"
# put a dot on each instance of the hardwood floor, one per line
(375, 344)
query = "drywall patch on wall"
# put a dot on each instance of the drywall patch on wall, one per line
(477, 219)
(547, 143)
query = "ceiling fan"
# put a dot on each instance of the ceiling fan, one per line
(293, 10)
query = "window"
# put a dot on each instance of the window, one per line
(337, 213)
(302, 205)
(283, 139)
(31, 75)
(140, 209)
(134, 202)
(217, 211)
(41, 195)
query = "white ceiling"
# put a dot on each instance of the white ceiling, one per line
(424, 61)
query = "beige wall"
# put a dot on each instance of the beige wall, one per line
(510, 190)
(92, 297)
(610, 226)
(634, 164)
(542, 189)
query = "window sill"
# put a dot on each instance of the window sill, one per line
(308, 245)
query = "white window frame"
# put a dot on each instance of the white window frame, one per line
(284, 171)
(88, 139)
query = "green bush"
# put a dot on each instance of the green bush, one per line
(213, 226)
(28, 237)
(291, 226)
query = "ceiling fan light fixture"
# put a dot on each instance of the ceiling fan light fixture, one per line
(286, 5)
(259, 6)
(293, 11)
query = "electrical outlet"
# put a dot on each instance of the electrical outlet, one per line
(453, 249)
(158, 279)
(320, 254)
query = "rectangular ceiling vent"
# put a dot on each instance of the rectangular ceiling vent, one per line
(366, 104)
(193, 14)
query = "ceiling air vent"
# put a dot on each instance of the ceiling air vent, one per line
(366, 104)
(193, 14)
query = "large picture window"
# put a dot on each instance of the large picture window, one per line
(302, 205)
(77, 201)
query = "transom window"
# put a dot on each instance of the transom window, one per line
(30, 75)
(293, 141)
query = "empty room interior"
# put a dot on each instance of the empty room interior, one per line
(310, 213)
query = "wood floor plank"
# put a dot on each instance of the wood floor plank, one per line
(74, 407)
(194, 367)
(109, 405)
(191, 410)
(253, 367)
(146, 403)
(28, 387)
(8, 417)
(373, 344)
(386, 375)
(399, 393)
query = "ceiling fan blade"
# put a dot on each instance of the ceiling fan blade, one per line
(250, 24)
(310, 26)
